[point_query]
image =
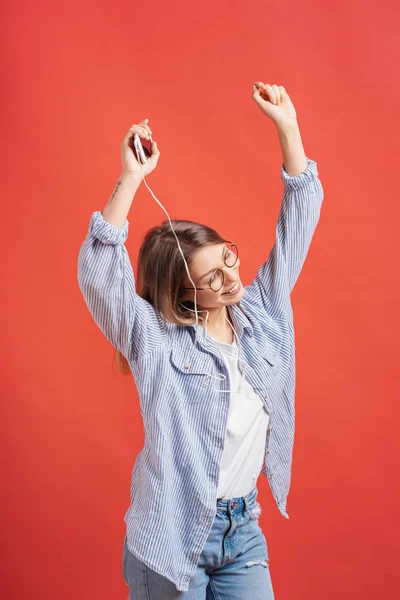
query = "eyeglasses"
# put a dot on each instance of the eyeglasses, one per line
(217, 279)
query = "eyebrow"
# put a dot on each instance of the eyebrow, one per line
(211, 270)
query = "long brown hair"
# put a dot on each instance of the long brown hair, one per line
(161, 271)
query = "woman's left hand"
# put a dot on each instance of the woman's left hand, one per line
(275, 102)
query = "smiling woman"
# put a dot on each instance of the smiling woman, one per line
(217, 411)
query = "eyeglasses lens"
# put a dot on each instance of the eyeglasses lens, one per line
(217, 280)
(231, 256)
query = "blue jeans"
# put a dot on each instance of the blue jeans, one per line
(234, 563)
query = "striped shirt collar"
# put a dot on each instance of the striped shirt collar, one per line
(239, 318)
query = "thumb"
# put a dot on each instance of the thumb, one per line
(154, 149)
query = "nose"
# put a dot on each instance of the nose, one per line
(230, 283)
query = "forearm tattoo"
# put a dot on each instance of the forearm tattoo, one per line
(115, 191)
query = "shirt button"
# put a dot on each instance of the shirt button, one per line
(267, 451)
(187, 366)
(270, 428)
(271, 476)
(265, 397)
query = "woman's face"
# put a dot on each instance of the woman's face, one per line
(202, 270)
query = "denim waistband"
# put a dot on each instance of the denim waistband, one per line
(232, 505)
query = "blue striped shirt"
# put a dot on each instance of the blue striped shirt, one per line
(175, 476)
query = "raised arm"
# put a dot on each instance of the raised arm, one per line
(297, 220)
(106, 277)
(299, 213)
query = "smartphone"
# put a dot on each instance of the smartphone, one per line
(141, 152)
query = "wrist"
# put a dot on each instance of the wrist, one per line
(134, 178)
(287, 126)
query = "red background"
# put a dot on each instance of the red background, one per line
(75, 77)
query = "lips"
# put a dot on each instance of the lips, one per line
(234, 287)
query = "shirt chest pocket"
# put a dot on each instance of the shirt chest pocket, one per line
(270, 365)
(270, 355)
(190, 375)
(267, 362)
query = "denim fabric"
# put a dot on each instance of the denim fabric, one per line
(234, 564)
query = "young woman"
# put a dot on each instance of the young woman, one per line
(217, 398)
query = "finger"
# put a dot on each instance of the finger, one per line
(270, 92)
(141, 130)
(131, 131)
(138, 127)
(142, 126)
(154, 148)
(145, 133)
(259, 85)
(277, 93)
(146, 126)
(145, 123)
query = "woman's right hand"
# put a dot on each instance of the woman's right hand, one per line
(129, 162)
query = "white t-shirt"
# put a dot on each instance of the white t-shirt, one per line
(246, 429)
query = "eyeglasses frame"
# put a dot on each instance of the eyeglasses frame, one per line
(219, 269)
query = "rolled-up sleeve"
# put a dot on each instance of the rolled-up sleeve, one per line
(107, 282)
(298, 217)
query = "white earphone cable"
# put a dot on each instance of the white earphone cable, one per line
(209, 375)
